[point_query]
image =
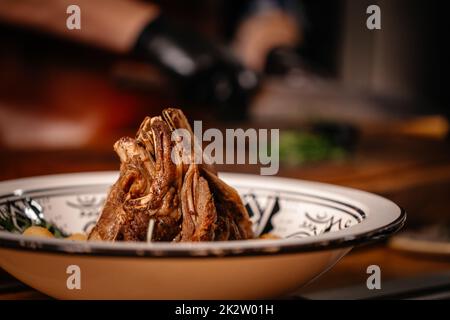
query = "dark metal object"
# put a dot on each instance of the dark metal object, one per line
(202, 73)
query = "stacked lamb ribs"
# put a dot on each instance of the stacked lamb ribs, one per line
(185, 201)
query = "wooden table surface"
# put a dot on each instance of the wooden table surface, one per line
(413, 172)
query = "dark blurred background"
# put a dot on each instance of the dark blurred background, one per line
(398, 68)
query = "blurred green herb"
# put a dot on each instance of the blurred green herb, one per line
(15, 220)
(303, 147)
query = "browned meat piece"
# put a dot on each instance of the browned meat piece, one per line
(133, 181)
(197, 203)
(150, 191)
(234, 219)
(187, 201)
(177, 120)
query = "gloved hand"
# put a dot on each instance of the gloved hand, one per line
(202, 72)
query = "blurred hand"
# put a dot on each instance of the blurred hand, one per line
(260, 33)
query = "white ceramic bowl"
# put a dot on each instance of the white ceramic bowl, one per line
(318, 224)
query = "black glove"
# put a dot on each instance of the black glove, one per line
(203, 73)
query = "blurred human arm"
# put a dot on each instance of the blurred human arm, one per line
(111, 24)
(200, 71)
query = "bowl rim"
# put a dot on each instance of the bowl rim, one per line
(383, 218)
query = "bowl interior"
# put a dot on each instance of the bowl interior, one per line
(284, 213)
